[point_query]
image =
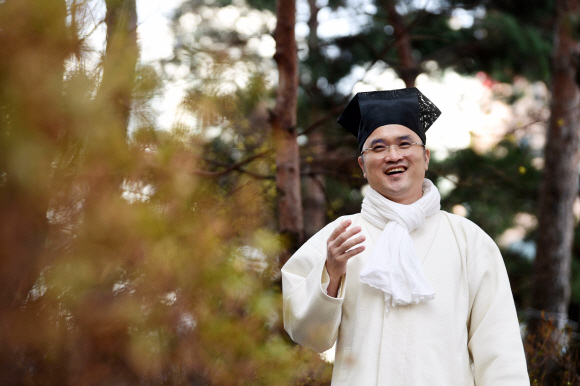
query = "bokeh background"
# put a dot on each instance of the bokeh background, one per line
(161, 160)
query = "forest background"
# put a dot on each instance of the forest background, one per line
(136, 253)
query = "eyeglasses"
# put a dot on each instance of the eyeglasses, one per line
(381, 150)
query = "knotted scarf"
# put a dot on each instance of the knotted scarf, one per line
(393, 266)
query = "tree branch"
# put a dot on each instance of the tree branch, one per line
(235, 167)
(321, 121)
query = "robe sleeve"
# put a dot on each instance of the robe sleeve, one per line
(311, 317)
(495, 341)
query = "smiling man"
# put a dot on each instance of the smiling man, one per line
(412, 295)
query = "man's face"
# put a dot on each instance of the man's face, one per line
(405, 187)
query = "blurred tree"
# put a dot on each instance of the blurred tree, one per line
(559, 188)
(121, 57)
(284, 130)
(164, 277)
(505, 39)
(313, 184)
(31, 123)
(115, 96)
(32, 70)
(409, 40)
(510, 180)
(422, 35)
(406, 66)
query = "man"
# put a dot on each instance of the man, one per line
(411, 295)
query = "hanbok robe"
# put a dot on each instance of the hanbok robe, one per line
(468, 335)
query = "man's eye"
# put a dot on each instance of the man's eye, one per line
(405, 145)
(378, 148)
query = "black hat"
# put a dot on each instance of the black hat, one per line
(368, 111)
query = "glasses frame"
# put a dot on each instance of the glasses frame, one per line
(387, 148)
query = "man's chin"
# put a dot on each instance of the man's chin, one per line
(399, 194)
(391, 194)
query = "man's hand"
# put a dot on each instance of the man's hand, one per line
(339, 242)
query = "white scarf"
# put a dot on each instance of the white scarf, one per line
(393, 266)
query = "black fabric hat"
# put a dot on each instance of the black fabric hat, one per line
(368, 111)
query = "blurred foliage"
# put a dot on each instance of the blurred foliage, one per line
(505, 40)
(508, 175)
(222, 43)
(151, 258)
(125, 260)
(511, 187)
(549, 365)
(230, 92)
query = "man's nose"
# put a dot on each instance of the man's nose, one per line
(392, 154)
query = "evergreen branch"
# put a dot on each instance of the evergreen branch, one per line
(321, 121)
(87, 35)
(234, 167)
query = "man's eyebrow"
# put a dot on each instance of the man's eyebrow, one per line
(375, 141)
(380, 140)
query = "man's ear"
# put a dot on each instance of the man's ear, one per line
(362, 166)
(427, 157)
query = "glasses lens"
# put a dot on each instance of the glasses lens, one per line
(381, 151)
(404, 149)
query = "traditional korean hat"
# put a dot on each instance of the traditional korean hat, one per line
(368, 111)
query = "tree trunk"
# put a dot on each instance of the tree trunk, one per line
(113, 106)
(121, 57)
(407, 69)
(31, 122)
(559, 188)
(35, 44)
(284, 128)
(313, 27)
(314, 195)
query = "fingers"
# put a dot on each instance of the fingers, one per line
(353, 252)
(351, 243)
(344, 236)
(336, 267)
(345, 240)
(342, 240)
(341, 246)
(339, 229)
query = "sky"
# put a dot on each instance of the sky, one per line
(156, 43)
(155, 29)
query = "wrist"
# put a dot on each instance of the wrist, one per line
(333, 286)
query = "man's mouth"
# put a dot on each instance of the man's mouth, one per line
(395, 170)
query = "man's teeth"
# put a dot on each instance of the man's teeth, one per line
(396, 170)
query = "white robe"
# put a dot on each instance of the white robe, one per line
(471, 320)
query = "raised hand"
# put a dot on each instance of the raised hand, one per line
(339, 249)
